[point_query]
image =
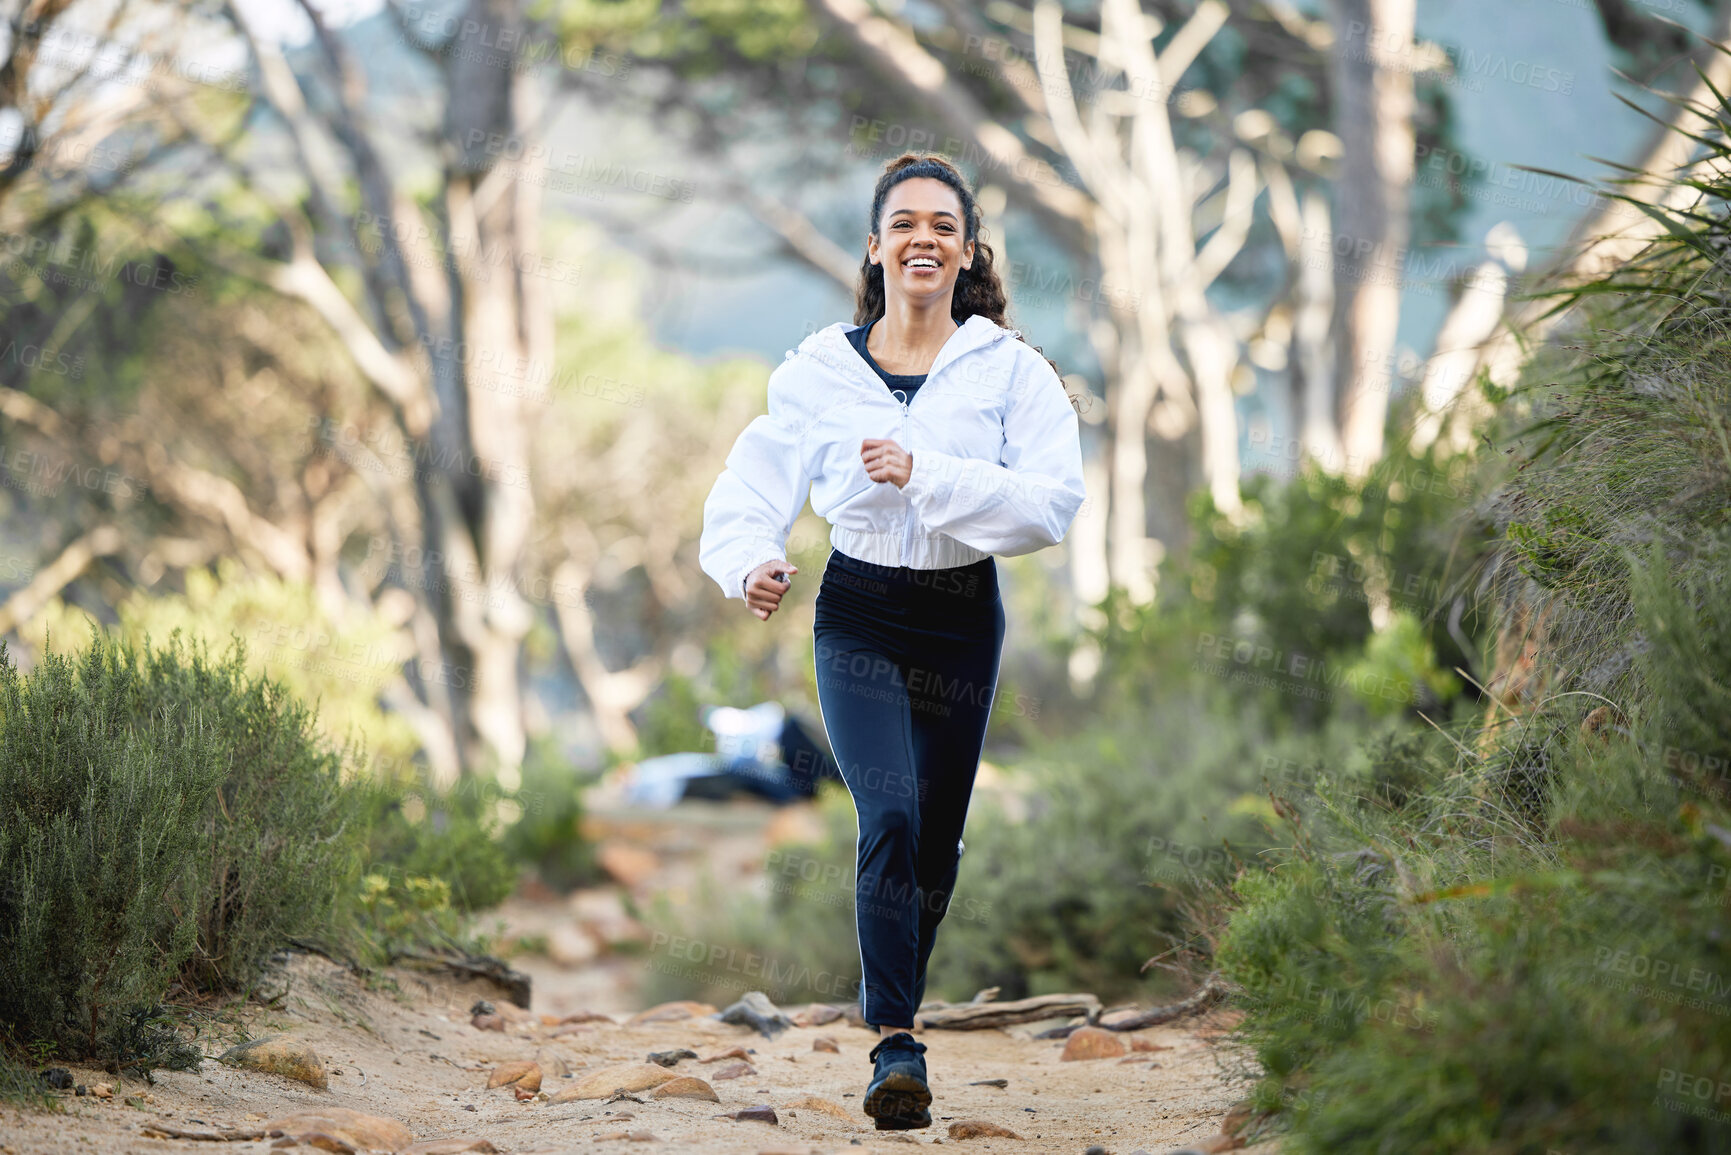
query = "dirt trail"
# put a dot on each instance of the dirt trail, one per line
(403, 1046)
(414, 1056)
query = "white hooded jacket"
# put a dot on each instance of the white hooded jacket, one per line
(997, 459)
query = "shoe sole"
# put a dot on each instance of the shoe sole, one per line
(898, 1102)
(904, 1122)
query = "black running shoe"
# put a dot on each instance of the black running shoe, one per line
(898, 1095)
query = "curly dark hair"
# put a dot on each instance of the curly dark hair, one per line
(978, 289)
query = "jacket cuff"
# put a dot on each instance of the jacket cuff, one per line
(926, 478)
(766, 552)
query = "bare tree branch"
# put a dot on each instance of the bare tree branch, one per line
(57, 575)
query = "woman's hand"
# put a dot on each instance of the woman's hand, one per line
(886, 461)
(762, 590)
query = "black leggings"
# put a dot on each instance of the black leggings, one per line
(907, 667)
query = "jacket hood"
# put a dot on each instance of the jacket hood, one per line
(977, 332)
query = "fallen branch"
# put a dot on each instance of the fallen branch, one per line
(1206, 996)
(168, 1132)
(986, 1015)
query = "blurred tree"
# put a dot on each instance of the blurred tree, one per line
(1374, 60)
(271, 391)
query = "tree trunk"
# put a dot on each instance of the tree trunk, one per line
(1314, 398)
(1373, 97)
(499, 316)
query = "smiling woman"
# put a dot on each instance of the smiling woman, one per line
(932, 437)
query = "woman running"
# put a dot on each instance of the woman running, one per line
(910, 627)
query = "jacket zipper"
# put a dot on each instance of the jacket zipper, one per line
(908, 506)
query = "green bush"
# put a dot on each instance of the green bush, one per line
(20, 1087)
(283, 831)
(102, 846)
(166, 819)
(1313, 561)
(420, 831)
(1511, 938)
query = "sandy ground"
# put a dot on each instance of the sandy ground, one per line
(413, 1055)
(405, 1048)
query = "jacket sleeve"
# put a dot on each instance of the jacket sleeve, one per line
(1025, 502)
(753, 504)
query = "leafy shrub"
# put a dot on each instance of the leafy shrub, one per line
(102, 845)
(283, 831)
(420, 831)
(20, 1087)
(166, 819)
(1317, 563)
(1510, 938)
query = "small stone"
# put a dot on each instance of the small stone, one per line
(58, 1078)
(450, 1147)
(1138, 1043)
(825, 1043)
(734, 1071)
(279, 1055)
(524, 1075)
(813, 1103)
(488, 1022)
(670, 1058)
(762, 1113)
(103, 1091)
(1096, 1149)
(817, 1015)
(730, 1053)
(584, 1017)
(991, 1083)
(1092, 1043)
(754, 1010)
(980, 1129)
(630, 866)
(670, 1012)
(359, 1131)
(686, 1087)
(625, 1077)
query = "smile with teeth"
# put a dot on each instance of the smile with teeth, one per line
(920, 263)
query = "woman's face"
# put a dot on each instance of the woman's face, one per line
(919, 240)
